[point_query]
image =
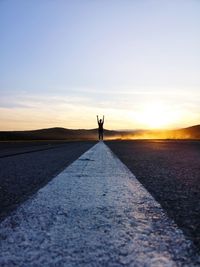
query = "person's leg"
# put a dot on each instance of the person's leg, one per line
(100, 135)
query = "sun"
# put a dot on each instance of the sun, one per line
(156, 116)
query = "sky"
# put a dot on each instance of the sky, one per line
(64, 62)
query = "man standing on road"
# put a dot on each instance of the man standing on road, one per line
(100, 123)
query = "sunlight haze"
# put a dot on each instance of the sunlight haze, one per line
(64, 62)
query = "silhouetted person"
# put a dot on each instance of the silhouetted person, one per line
(100, 123)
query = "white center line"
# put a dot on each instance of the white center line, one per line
(94, 213)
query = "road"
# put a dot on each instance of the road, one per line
(170, 171)
(32, 165)
(94, 213)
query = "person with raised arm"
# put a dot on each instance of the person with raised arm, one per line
(100, 124)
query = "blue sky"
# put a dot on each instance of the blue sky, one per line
(63, 62)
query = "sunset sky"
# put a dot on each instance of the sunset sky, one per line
(63, 62)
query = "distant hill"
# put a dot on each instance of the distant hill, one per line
(56, 133)
(192, 132)
(81, 134)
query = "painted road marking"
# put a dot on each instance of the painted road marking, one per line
(94, 213)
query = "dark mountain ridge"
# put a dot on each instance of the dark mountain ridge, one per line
(59, 133)
(56, 133)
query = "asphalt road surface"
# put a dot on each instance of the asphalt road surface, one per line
(94, 213)
(170, 171)
(26, 166)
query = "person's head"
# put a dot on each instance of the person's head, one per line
(100, 121)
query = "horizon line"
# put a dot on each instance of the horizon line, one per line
(117, 130)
